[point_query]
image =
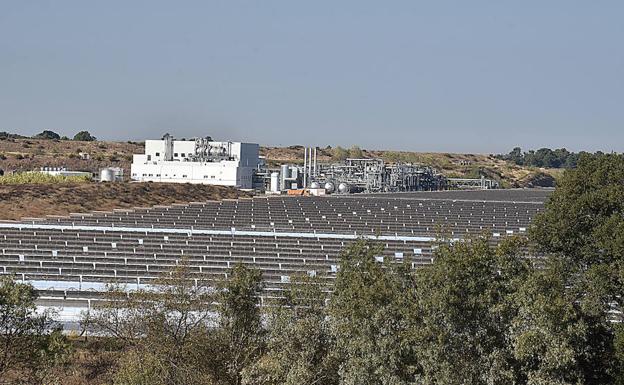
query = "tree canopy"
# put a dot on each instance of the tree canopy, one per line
(47, 134)
(543, 157)
(84, 136)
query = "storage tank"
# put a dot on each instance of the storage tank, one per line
(315, 185)
(343, 188)
(329, 187)
(285, 174)
(285, 171)
(274, 182)
(107, 175)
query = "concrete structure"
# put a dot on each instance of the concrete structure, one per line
(62, 171)
(197, 161)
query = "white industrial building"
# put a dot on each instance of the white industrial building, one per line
(197, 161)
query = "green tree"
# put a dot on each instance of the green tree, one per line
(555, 341)
(583, 229)
(31, 344)
(84, 136)
(464, 308)
(367, 312)
(47, 134)
(516, 156)
(239, 338)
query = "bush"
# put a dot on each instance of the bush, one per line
(84, 136)
(356, 152)
(47, 134)
(340, 154)
(41, 178)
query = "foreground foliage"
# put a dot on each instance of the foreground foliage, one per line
(31, 344)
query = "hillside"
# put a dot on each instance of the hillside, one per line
(31, 154)
(18, 201)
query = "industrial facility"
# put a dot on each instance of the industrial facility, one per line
(237, 164)
(201, 160)
(362, 176)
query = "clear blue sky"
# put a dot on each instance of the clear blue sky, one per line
(464, 76)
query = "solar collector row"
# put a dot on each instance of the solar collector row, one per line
(348, 216)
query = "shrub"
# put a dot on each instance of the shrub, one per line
(84, 136)
(41, 178)
(47, 134)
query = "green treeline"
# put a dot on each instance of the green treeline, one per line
(544, 157)
(477, 315)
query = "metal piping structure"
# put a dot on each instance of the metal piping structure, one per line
(305, 161)
(207, 152)
(310, 167)
(314, 162)
(373, 175)
(369, 176)
(472, 183)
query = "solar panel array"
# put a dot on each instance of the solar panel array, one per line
(70, 259)
(364, 216)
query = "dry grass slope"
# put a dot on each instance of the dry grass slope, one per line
(18, 201)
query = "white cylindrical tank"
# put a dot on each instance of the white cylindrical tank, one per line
(284, 174)
(329, 187)
(274, 182)
(315, 185)
(285, 171)
(107, 175)
(343, 188)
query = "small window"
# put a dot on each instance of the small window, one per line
(151, 175)
(144, 174)
(149, 157)
(184, 176)
(175, 154)
(158, 154)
